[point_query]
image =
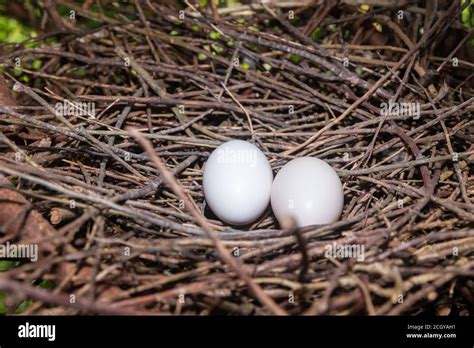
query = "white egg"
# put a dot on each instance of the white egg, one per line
(308, 190)
(237, 182)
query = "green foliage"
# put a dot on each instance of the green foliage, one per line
(215, 35)
(7, 265)
(36, 65)
(218, 49)
(231, 3)
(24, 305)
(467, 15)
(318, 34)
(44, 284)
(12, 31)
(467, 18)
(295, 58)
(221, 3)
(3, 307)
(79, 72)
(17, 72)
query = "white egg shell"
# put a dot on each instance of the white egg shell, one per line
(308, 190)
(237, 182)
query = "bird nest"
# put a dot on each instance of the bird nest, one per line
(104, 143)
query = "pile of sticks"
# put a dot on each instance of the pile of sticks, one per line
(113, 196)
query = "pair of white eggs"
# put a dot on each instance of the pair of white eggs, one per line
(238, 186)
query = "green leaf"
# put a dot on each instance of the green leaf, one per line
(318, 34)
(218, 49)
(79, 72)
(24, 305)
(17, 72)
(7, 265)
(3, 307)
(233, 3)
(37, 64)
(467, 15)
(46, 284)
(12, 31)
(215, 36)
(296, 58)
(31, 45)
(201, 57)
